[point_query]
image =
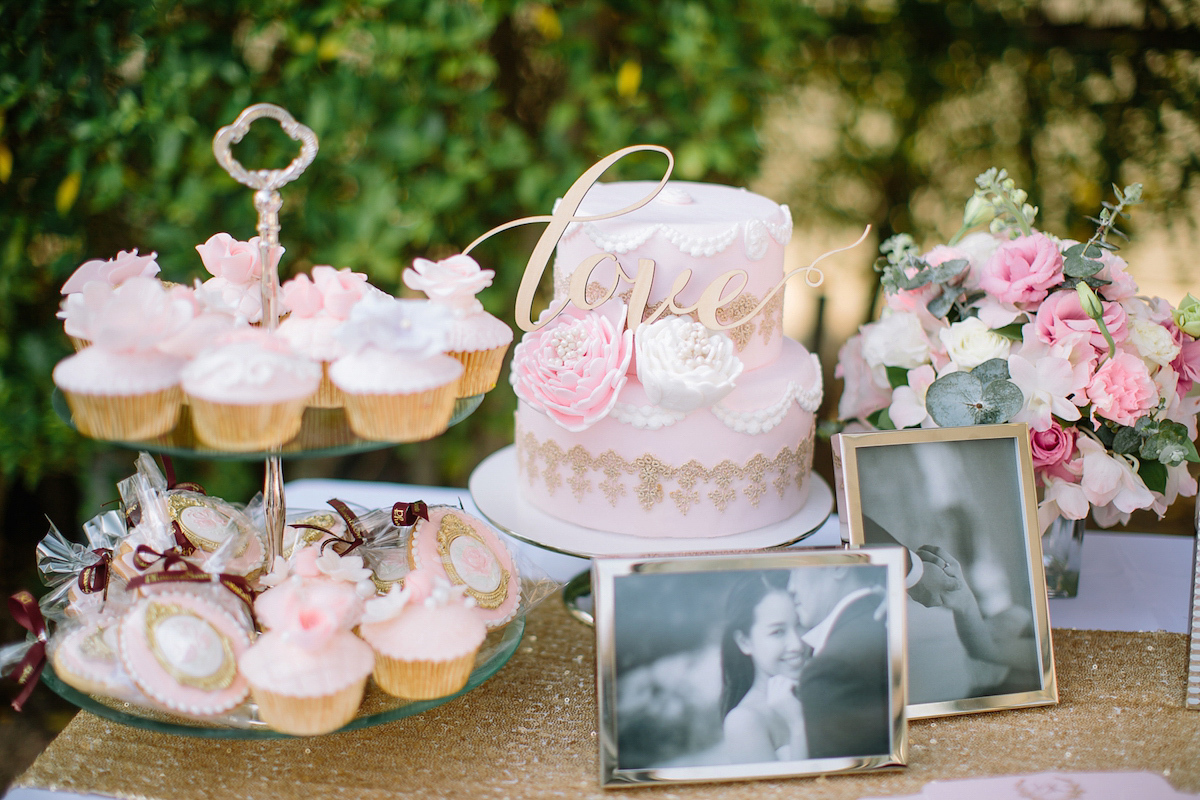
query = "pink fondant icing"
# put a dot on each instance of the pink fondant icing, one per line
(280, 664)
(250, 372)
(427, 633)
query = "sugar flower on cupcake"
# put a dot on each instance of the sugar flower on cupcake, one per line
(112, 272)
(236, 268)
(477, 339)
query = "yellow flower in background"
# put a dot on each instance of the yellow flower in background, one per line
(629, 78)
(6, 162)
(547, 22)
(68, 192)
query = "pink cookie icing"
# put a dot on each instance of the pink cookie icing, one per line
(467, 552)
(182, 650)
(87, 659)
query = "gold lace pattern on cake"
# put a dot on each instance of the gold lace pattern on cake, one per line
(538, 460)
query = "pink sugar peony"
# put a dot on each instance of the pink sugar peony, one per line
(236, 262)
(112, 272)
(340, 289)
(301, 297)
(1023, 270)
(574, 367)
(453, 281)
(1062, 315)
(1122, 389)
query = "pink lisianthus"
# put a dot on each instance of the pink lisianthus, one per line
(340, 289)
(235, 261)
(1121, 285)
(1052, 448)
(1022, 271)
(453, 281)
(862, 394)
(1061, 315)
(1062, 497)
(1122, 389)
(908, 402)
(1048, 383)
(1110, 478)
(574, 367)
(113, 272)
(301, 297)
(1187, 363)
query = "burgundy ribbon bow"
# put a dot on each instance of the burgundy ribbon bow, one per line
(405, 515)
(95, 578)
(146, 556)
(177, 570)
(25, 611)
(356, 535)
(187, 486)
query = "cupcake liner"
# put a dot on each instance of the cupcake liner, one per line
(79, 343)
(401, 417)
(245, 428)
(422, 680)
(125, 417)
(309, 716)
(481, 369)
(327, 395)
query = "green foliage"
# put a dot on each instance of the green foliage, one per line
(437, 120)
(983, 396)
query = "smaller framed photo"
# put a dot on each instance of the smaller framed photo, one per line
(962, 503)
(758, 665)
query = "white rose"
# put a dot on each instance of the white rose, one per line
(971, 342)
(682, 365)
(1153, 341)
(897, 340)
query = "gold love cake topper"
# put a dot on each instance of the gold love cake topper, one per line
(721, 292)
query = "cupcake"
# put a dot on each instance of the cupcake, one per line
(424, 648)
(111, 273)
(249, 394)
(127, 396)
(477, 339)
(397, 383)
(307, 672)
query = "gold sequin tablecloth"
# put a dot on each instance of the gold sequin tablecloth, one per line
(530, 732)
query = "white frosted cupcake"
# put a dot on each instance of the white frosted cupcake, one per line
(127, 396)
(397, 383)
(315, 337)
(477, 339)
(111, 273)
(249, 394)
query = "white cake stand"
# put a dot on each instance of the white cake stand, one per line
(494, 489)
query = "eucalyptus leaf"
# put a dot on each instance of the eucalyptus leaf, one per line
(961, 398)
(1076, 266)
(940, 306)
(994, 369)
(1126, 441)
(949, 270)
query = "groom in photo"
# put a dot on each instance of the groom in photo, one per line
(844, 686)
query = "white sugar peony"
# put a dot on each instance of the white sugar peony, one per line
(682, 365)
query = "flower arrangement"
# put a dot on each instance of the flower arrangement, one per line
(1015, 324)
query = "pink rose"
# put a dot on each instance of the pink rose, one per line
(340, 288)
(1023, 270)
(862, 395)
(1187, 364)
(1122, 389)
(301, 297)
(1052, 448)
(236, 262)
(452, 281)
(1061, 315)
(112, 272)
(574, 367)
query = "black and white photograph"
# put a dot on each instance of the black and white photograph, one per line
(961, 503)
(734, 667)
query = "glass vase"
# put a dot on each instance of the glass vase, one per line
(1062, 555)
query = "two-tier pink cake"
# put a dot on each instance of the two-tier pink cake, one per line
(671, 428)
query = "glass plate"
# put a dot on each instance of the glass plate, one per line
(377, 707)
(324, 432)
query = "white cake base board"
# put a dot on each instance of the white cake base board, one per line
(494, 489)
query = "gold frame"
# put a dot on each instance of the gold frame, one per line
(606, 572)
(849, 447)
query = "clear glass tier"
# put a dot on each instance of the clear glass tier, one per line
(324, 432)
(377, 707)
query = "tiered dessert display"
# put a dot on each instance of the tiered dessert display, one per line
(188, 614)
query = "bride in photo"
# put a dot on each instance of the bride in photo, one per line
(761, 659)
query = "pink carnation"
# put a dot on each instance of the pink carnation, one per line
(452, 281)
(236, 262)
(574, 368)
(112, 272)
(340, 289)
(1023, 270)
(1061, 315)
(301, 297)
(1122, 389)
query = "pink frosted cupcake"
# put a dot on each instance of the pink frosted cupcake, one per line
(111, 273)
(424, 649)
(477, 339)
(307, 673)
(249, 394)
(398, 385)
(127, 396)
